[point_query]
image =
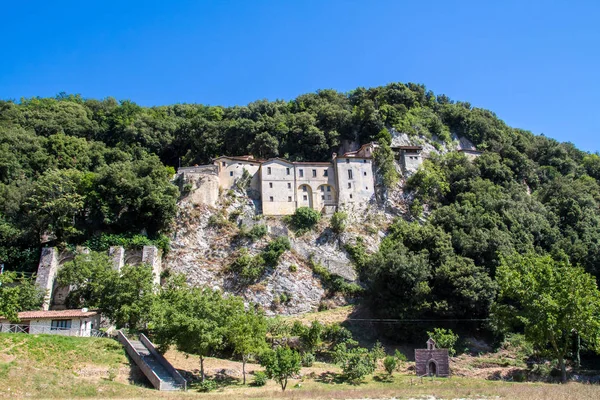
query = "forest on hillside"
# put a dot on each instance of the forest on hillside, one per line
(72, 168)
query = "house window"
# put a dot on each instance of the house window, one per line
(322, 188)
(271, 198)
(287, 170)
(349, 185)
(365, 173)
(323, 197)
(329, 197)
(305, 197)
(364, 161)
(349, 174)
(366, 188)
(289, 185)
(314, 173)
(304, 188)
(301, 173)
(289, 198)
(59, 324)
(269, 170)
(325, 173)
(271, 185)
(347, 161)
(230, 173)
(329, 188)
(350, 196)
(223, 163)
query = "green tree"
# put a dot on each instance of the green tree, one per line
(305, 218)
(281, 364)
(444, 339)
(246, 332)
(338, 221)
(18, 293)
(550, 300)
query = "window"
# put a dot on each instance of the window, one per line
(366, 188)
(323, 197)
(364, 161)
(365, 173)
(301, 173)
(271, 185)
(350, 196)
(230, 173)
(287, 170)
(271, 198)
(289, 185)
(305, 197)
(349, 174)
(314, 173)
(347, 161)
(223, 163)
(329, 197)
(325, 173)
(349, 185)
(322, 188)
(269, 170)
(59, 324)
(289, 198)
(329, 188)
(304, 188)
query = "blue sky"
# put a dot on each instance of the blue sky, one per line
(535, 63)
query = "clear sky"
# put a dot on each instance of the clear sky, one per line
(535, 63)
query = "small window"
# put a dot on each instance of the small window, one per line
(305, 197)
(269, 170)
(328, 197)
(364, 161)
(323, 197)
(349, 174)
(230, 173)
(349, 185)
(366, 188)
(271, 198)
(301, 173)
(271, 185)
(365, 173)
(314, 173)
(350, 196)
(322, 188)
(325, 173)
(304, 188)
(347, 161)
(223, 163)
(60, 324)
(289, 185)
(287, 170)
(329, 188)
(289, 198)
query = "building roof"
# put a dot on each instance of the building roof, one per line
(247, 158)
(270, 160)
(407, 147)
(356, 154)
(79, 313)
(312, 162)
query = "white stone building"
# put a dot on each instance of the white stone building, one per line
(64, 322)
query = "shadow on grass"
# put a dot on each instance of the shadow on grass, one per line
(384, 378)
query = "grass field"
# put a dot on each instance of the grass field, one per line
(43, 366)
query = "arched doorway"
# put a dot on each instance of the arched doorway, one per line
(432, 368)
(305, 196)
(325, 196)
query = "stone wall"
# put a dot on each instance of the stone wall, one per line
(424, 358)
(354, 181)
(46, 274)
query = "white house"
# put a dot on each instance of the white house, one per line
(64, 322)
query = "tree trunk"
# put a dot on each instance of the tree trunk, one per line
(563, 369)
(201, 369)
(244, 368)
(283, 384)
(577, 350)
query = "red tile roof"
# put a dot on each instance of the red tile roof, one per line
(55, 314)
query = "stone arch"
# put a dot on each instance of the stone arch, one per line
(305, 196)
(327, 191)
(432, 367)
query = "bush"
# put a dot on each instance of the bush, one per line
(355, 363)
(444, 339)
(338, 221)
(305, 218)
(390, 364)
(249, 268)
(218, 221)
(274, 250)
(260, 378)
(293, 268)
(207, 386)
(308, 359)
(103, 241)
(187, 188)
(257, 232)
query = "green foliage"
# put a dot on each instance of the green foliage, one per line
(246, 334)
(550, 300)
(444, 339)
(18, 293)
(305, 218)
(274, 250)
(257, 232)
(249, 268)
(384, 159)
(390, 364)
(338, 221)
(206, 386)
(104, 241)
(308, 359)
(281, 364)
(356, 363)
(260, 378)
(334, 283)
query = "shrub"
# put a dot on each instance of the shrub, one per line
(445, 339)
(186, 188)
(293, 268)
(305, 218)
(274, 250)
(338, 221)
(218, 221)
(257, 232)
(308, 359)
(281, 364)
(260, 378)
(355, 363)
(390, 363)
(249, 268)
(206, 386)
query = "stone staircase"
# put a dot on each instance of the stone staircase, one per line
(157, 369)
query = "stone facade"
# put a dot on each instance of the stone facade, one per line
(283, 186)
(409, 157)
(432, 361)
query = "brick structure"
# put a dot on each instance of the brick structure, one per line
(432, 361)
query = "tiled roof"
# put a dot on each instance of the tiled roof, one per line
(55, 314)
(408, 147)
(242, 158)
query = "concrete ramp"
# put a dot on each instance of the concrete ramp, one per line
(157, 369)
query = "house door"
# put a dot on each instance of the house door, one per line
(432, 368)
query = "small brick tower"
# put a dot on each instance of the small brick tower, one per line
(432, 361)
